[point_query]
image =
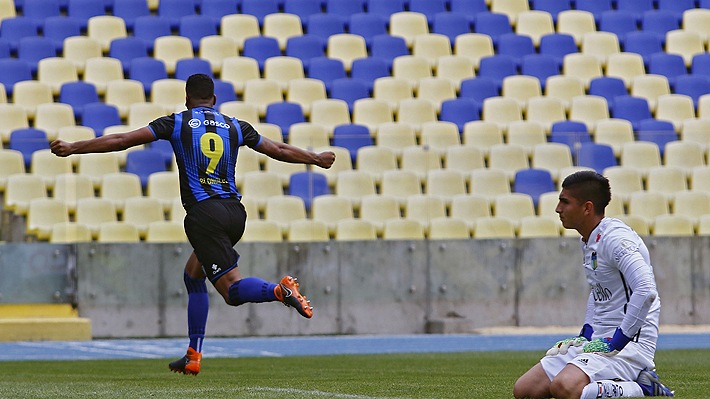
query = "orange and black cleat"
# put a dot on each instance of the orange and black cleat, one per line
(189, 364)
(289, 295)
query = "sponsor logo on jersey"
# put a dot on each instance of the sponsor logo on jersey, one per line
(194, 123)
(601, 294)
(215, 269)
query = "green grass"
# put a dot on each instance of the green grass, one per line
(468, 375)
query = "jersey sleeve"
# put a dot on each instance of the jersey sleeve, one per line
(163, 127)
(251, 137)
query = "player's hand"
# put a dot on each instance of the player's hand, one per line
(561, 347)
(60, 148)
(326, 159)
(607, 346)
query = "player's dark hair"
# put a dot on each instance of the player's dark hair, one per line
(199, 86)
(588, 185)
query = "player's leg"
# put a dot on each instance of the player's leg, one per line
(533, 384)
(569, 383)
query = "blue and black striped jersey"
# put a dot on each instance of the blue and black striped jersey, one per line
(206, 144)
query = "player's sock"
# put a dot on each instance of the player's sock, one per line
(252, 289)
(611, 389)
(198, 305)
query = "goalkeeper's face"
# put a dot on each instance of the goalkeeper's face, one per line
(571, 212)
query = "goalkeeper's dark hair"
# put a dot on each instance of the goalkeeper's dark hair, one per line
(199, 87)
(588, 185)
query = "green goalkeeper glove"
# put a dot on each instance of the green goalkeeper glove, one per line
(608, 346)
(561, 347)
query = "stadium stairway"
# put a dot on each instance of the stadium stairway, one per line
(42, 322)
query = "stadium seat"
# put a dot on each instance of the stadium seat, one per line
(216, 49)
(262, 231)
(650, 87)
(570, 133)
(684, 43)
(541, 66)
(302, 8)
(324, 25)
(106, 28)
(479, 89)
(464, 158)
(118, 187)
(657, 131)
(535, 24)
(660, 22)
(331, 209)
(307, 230)
(521, 88)
(576, 23)
(327, 70)
(470, 208)
(539, 226)
(596, 156)
(29, 94)
(262, 92)
(77, 95)
(385, 8)
(307, 186)
(69, 232)
(497, 67)
(502, 111)
(79, 49)
(526, 134)
(695, 20)
(284, 210)
(451, 25)
(445, 183)
(509, 158)
(284, 114)
(515, 46)
(375, 160)
(330, 113)
(354, 185)
(143, 163)
(367, 25)
(552, 157)
(669, 65)
(455, 68)
(99, 71)
(696, 131)
(371, 113)
(260, 185)
(618, 22)
(129, 10)
(557, 45)
(165, 186)
(282, 26)
(304, 92)
(352, 137)
(48, 166)
(633, 109)
(402, 229)
(343, 8)
(423, 208)
(482, 134)
(614, 132)
(625, 66)
(283, 70)
(474, 46)
(667, 180)
(407, 25)
(675, 108)
(350, 90)
(641, 155)
(39, 11)
(582, 66)
(589, 109)
(35, 48)
(492, 24)
(14, 29)
(400, 184)
(14, 70)
(460, 111)
(396, 136)
(98, 116)
(305, 48)
(648, 205)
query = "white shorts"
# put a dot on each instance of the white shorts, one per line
(625, 366)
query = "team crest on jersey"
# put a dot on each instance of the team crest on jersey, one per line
(194, 123)
(594, 261)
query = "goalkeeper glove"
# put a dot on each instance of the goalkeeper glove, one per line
(561, 347)
(608, 346)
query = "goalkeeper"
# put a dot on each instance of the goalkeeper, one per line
(613, 355)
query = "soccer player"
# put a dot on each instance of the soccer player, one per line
(613, 355)
(206, 143)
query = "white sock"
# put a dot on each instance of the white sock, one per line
(612, 389)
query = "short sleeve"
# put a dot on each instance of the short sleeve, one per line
(251, 137)
(163, 127)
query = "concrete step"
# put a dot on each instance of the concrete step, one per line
(42, 322)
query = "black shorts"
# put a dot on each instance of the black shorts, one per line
(213, 227)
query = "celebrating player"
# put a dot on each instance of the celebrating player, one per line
(613, 355)
(206, 143)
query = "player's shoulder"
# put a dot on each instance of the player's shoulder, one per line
(617, 235)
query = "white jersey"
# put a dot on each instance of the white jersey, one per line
(623, 287)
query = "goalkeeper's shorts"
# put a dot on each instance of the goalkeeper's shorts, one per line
(625, 366)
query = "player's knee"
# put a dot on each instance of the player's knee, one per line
(523, 390)
(564, 389)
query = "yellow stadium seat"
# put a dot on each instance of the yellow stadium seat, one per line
(283, 70)
(330, 113)
(330, 209)
(440, 135)
(546, 111)
(141, 114)
(69, 232)
(239, 70)
(625, 66)
(552, 157)
(431, 46)
(241, 110)
(164, 231)
(248, 161)
(534, 23)
(165, 186)
(261, 185)
(48, 166)
(511, 8)
(94, 211)
(412, 68)
(584, 67)
(177, 210)
(474, 46)
(355, 230)
(638, 223)
(30, 93)
(353, 185)
(696, 131)
(375, 160)
(456, 68)
(56, 71)
(648, 204)
(539, 226)
(601, 45)
(43, 213)
(697, 20)
(420, 160)
(106, 28)
(118, 187)
(514, 206)
(675, 108)
(71, 187)
(308, 135)
(615, 207)
(11, 163)
(262, 92)
(396, 136)
(283, 170)
(448, 228)
(14, 117)
(624, 181)
(667, 180)
(7, 9)
(308, 230)
(216, 49)
(614, 132)
(521, 88)
(547, 205)
(576, 23)
(527, 134)
(687, 44)
(482, 134)
(123, 93)
(95, 166)
(371, 112)
(282, 26)
(270, 131)
(704, 225)
(408, 25)
(262, 231)
(445, 183)
(343, 162)
(685, 155)
(100, 71)
(424, 208)
(51, 117)
(304, 92)
(170, 49)
(509, 158)
(650, 87)
(346, 48)
(402, 229)
(489, 183)
(464, 158)
(436, 90)
(700, 179)
(673, 226)
(564, 88)
(78, 49)
(693, 204)
(378, 208)
(494, 227)
(240, 27)
(589, 109)
(118, 232)
(641, 155)
(168, 93)
(400, 184)
(141, 211)
(470, 208)
(501, 110)
(392, 90)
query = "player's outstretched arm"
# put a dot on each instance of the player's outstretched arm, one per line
(288, 153)
(111, 142)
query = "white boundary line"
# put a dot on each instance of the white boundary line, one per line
(315, 393)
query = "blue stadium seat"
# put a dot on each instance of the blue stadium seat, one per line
(659, 22)
(59, 28)
(224, 91)
(644, 43)
(534, 182)
(305, 48)
(327, 70)
(368, 69)
(478, 89)
(516, 46)
(85, 9)
(189, 66)
(596, 7)
(557, 45)
(165, 149)
(144, 163)
(659, 132)
(427, 7)
(150, 28)
(701, 65)
(352, 137)
(493, 25)
(303, 8)
(40, 10)
(571, 133)
(388, 48)
(308, 185)
(260, 8)
(368, 26)
(260, 48)
(126, 49)
(99, 116)
(216, 9)
(460, 111)
(147, 70)
(34, 49)
(541, 66)
(633, 109)
(323, 26)
(677, 7)
(173, 10)
(344, 8)
(385, 8)
(14, 70)
(469, 8)
(554, 7)
(609, 88)
(669, 65)
(284, 114)
(693, 86)
(349, 90)
(78, 94)
(596, 156)
(28, 141)
(497, 67)
(129, 10)
(14, 29)
(195, 27)
(451, 24)
(637, 7)
(4, 49)
(619, 23)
